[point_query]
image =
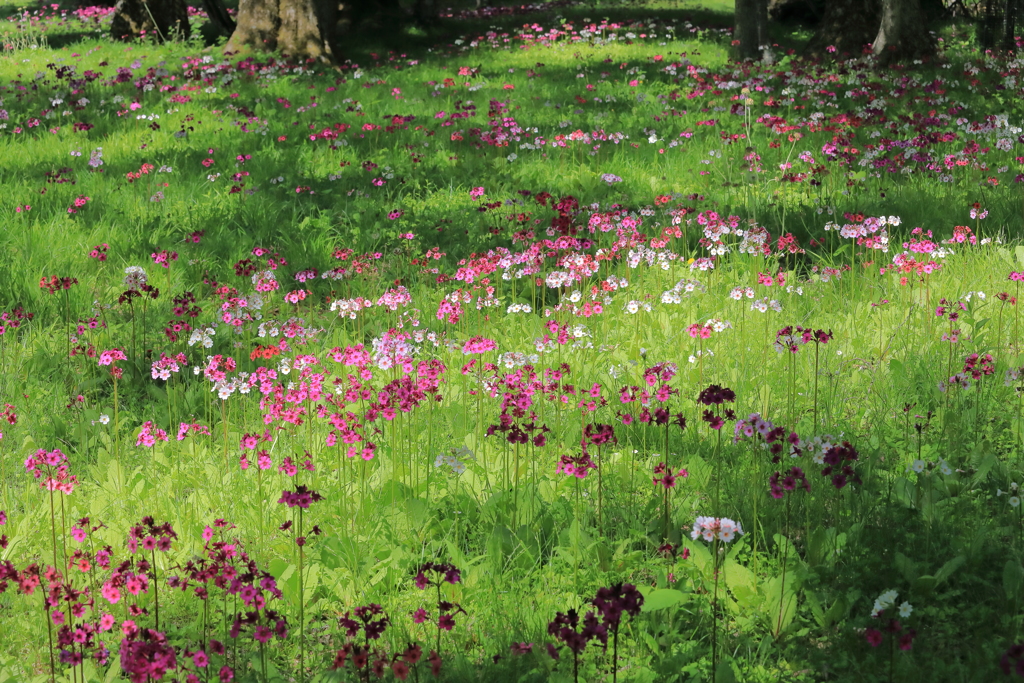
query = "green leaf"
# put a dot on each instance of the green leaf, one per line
(699, 555)
(724, 673)
(897, 371)
(906, 567)
(1013, 577)
(811, 598)
(736, 575)
(904, 491)
(661, 599)
(836, 612)
(947, 569)
(774, 602)
(984, 468)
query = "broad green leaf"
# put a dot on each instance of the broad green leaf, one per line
(947, 569)
(662, 598)
(724, 673)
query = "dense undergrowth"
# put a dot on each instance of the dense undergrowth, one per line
(407, 367)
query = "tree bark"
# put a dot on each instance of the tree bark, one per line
(847, 27)
(750, 19)
(1010, 16)
(162, 19)
(219, 16)
(903, 33)
(300, 29)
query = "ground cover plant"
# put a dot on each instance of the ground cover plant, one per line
(561, 349)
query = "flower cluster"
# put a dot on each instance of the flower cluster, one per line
(150, 434)
(52, 468)
(791, 338)
(715, 395)
(885, 601)
(110, 357)
(149, 535)
(667, 478)
(301, 497)
(436, 574)
(54, 284)
(574, 633)
(715, 529)
(780, 483)
(837, 461)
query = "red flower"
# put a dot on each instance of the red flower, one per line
(400, 669)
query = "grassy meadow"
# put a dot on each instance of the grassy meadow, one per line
(541, 344)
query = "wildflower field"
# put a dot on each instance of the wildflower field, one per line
(551, 346)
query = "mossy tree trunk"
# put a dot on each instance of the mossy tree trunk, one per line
(300, 29)
(903, 32)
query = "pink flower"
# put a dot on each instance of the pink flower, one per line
(110, 593)
(479, 345)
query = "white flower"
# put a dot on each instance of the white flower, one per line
(203, 337)
(918, 466)
(905, 609)
(1014, 501)
(104, 419)
(884, 602)
(134, 277)
(945, 468)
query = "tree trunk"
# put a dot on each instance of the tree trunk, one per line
(903, 33)
(747, 33)
(300, 29)
(163, 19)
(1010, 12)
(847, 27)
(219, 16)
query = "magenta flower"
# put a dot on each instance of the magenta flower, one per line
(301, 497)
(479, 345)
(667, 478)
(111, 356)
(779, 483)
